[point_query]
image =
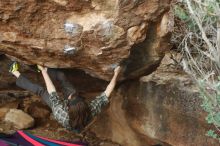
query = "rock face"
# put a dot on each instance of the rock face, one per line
(97, 33)
(169, 108)
(19, 119)
(164, 106)
(6, 107)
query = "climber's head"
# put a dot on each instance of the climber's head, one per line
(79, 112)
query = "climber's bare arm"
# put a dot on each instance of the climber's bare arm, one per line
(49, 84)
(113, 81)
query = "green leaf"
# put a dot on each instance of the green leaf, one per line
(180, 13)
(217, 119)
(210, 133)
(209, 119)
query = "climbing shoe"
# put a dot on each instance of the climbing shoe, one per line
(14, 67)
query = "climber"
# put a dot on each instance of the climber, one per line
(72, 112)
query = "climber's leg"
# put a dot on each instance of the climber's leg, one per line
(38, 90)
(27, 85)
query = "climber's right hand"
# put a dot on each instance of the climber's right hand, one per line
(117, 70)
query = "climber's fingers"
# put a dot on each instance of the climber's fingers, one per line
(117, 69)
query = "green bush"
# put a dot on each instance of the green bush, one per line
(200, 46)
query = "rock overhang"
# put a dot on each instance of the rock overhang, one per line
(101, 34)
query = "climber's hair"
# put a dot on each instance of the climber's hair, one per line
(79, 114)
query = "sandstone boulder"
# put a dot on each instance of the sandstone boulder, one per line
(4, 108)
(3, 112)
(90, 35)
(19, 119)
(162, 108)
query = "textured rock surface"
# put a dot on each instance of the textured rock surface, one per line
(114, 125)
(19, 119)
(6, 107)
(103, 31)
(171, 111)
(164, 106)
